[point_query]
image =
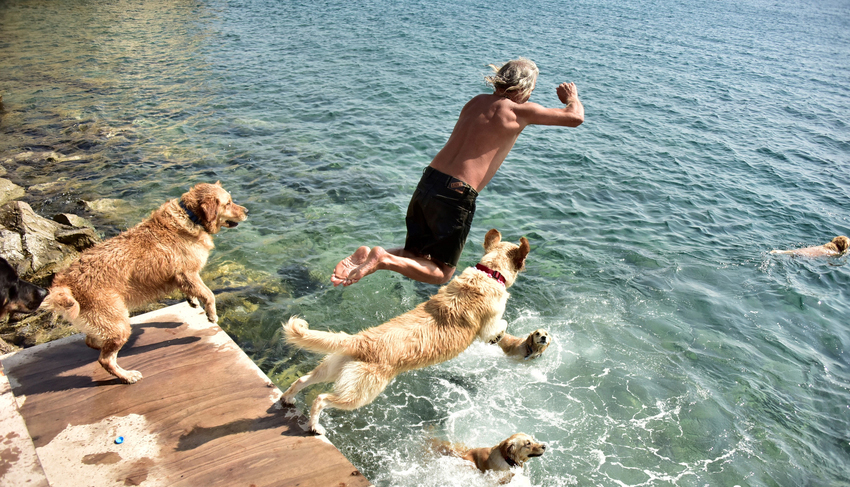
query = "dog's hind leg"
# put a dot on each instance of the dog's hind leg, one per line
(327, 371)
(358, 385)
(114, 330)
(94, 342)
(193, 287)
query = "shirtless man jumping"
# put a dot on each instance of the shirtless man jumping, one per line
(440, 212)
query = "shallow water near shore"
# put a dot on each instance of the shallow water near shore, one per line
(684, 354)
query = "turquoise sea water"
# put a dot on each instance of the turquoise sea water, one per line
(684, 353)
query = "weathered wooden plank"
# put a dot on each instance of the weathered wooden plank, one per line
(204, 414)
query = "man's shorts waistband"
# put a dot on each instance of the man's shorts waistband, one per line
(450, 182)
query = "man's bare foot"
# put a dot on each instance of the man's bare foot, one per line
(348, 264)
(368, 266)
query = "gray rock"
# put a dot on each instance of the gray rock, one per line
(46, 254)
(72, 220)
(10, 191)
(12, 249)
(20, 217)
(42, 253)
(77, 238)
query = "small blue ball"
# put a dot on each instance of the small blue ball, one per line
(119, 440)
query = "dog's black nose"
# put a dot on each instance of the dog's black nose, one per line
(40, 294)
(543, 339)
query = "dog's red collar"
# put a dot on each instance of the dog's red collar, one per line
(490, 272)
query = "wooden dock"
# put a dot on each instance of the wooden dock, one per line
(203, 415)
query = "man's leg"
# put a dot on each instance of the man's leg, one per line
(365, 261)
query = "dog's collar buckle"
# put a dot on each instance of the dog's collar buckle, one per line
(490, 272)
(191, 214)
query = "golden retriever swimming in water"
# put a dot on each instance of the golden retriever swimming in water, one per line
(509, 453)
(526, 348)
(836, 247)
(361, 366)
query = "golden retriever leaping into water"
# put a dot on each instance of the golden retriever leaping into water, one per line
(362, 365)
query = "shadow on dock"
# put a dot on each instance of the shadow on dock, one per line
(204, 414)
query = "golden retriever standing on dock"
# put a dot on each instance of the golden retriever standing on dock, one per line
(162, 253)
(362, 365)
(526, 348)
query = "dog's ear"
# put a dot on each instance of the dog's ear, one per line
(841, 243)
(492, 238)
(508, 449)
(218, 183)
(518, 255)
(209, 213)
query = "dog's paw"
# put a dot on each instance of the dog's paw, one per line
(319, 429)
(497, 332)
(212, 316)
(287, 401)
(131, 377)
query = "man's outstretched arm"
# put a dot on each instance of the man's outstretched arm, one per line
(572, 115)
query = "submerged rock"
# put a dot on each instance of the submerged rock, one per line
(39, 157)
(107, 206)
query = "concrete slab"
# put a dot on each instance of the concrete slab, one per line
(19, 465)
(204, 414)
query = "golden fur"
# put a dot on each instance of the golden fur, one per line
(362, 365)
(836, 247)
(509, 453)
(526, 348)
(162, 253)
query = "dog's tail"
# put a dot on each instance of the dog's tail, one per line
(62, 301)
(297, 333)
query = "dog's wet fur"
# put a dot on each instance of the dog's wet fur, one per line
(509, 453)
(526, 348)
(163, 253)
(361, 366)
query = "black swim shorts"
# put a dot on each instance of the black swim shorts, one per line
(439, 217)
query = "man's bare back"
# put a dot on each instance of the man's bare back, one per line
(488, 127)
(486, 131)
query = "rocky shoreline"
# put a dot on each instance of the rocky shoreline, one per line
(38, 246)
